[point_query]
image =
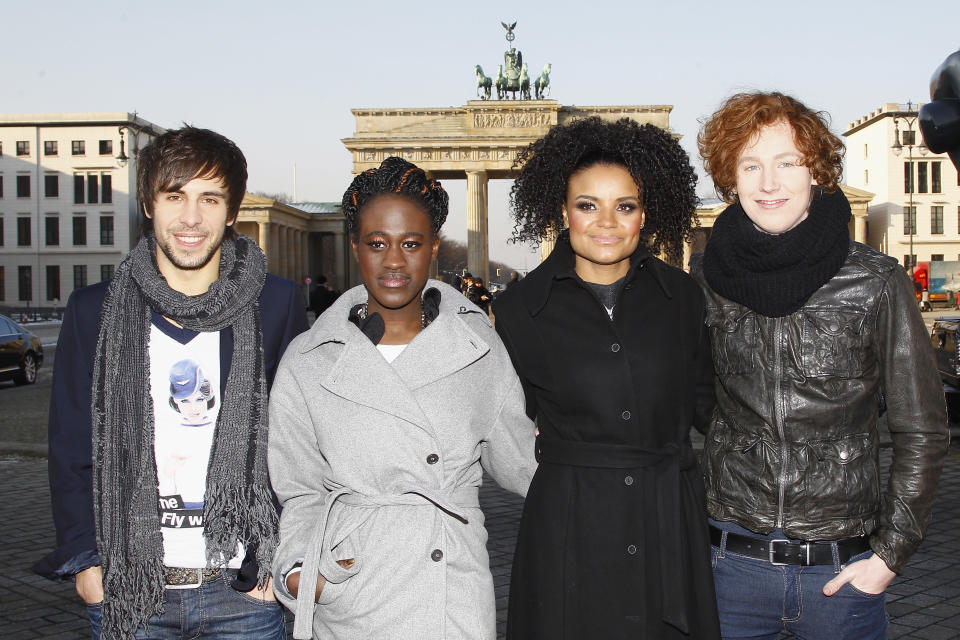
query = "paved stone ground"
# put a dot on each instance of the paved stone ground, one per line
(924, 603)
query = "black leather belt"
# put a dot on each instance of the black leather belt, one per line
(184, 578)
(781, 552)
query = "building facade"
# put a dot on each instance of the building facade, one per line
(68, 202)
(917, 201)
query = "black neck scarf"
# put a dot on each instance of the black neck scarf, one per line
(774, 275)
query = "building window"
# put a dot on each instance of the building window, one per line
(3, 283)
(935, 182)
(23, 232)
(51, 185)
(106, 272)
(1, 186)
(78, 190)
(23, 186)
(909, 220)
(50, 148)
(93, 181)
(79, 231)
(106, 188)
(936, 219)
(106, 231)
(106, 147)
(908, 263)
(936, 257)
(921, 177)
(865, 154)
(1, 155)
(78, 147)
(79, 276)
(1, 232)
(23, 147)
(25, 283)
(907, 177)
(866, 176)
(52, 231)
(53, 282)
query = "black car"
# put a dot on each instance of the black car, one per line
(945, 341)
(20, 353)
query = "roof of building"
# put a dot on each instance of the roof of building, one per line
(317, 207)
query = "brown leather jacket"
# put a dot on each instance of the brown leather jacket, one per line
(794, 441)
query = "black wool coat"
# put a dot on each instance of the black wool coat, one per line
(613, 539)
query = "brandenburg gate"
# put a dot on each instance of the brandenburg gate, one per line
(478, 141)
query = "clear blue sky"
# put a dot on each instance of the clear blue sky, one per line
(281, 77)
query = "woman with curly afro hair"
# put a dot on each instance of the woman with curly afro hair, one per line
(376, 453)
(610, 346)
(812, 334)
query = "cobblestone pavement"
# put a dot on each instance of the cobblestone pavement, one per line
(924, 603)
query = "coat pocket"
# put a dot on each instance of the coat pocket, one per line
(841, 478)
(730, 464)
(836, 342)
(733, 339)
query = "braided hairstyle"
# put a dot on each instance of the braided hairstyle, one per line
(395, 176)
(659, 166)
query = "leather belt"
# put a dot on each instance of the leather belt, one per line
(783, 552)
(187, 578)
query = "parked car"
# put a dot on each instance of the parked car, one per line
(945, 338)
(21, 353)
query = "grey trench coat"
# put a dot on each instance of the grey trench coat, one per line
(382, 463)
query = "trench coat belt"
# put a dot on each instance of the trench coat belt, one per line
(667, 461)
(319, 558)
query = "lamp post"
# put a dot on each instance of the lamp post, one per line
(909, 118)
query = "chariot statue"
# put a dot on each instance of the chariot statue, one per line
(512, 76)
(483, 84)
(542, 86)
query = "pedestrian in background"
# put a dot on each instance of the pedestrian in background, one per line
(168, 524)
(611, 348)
(812, 335)
(376, 452)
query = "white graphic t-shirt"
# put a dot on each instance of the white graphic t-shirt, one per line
(185, 386)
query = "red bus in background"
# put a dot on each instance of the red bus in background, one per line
(937, 283)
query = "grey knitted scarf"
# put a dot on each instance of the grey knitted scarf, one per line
(238, 505)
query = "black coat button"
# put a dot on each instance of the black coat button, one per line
(625, 415)
(632, 549)
(628, 480)
(432, 458)
(437, 555)
(615, 347)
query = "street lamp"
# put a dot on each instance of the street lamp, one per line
(909, 118)
(122, 158)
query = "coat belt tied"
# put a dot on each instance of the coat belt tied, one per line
(319, 553)
(667, 463)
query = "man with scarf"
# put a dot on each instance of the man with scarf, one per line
(813, 338)
(158, 415)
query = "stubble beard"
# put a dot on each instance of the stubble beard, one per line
(192, 263)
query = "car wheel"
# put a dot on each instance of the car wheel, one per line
(28, 370)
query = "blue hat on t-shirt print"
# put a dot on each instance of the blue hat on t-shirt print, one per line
(186, 377)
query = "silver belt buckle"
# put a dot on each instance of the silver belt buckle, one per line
(191, 585)
(770, 552)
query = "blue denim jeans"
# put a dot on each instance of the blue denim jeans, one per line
(758, 600)
(212, 610)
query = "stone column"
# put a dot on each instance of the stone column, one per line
(687, 252)
(298, 256)
(546, 245)
(281, 251)
(263, 237)
(860, 229)
(342, 275)
(478, 250)
(291, 254)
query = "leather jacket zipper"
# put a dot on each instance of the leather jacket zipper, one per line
(778, 415)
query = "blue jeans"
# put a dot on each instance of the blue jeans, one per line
(212, 610)
(758, 600)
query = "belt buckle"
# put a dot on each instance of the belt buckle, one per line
(771, 552)
(191, 585)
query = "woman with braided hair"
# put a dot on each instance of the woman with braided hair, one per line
(376, 454)
(610, 346)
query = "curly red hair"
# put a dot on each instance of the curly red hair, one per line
(738, 121)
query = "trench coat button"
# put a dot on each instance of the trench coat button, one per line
(632, 549)
(615, 347)
(844, 455)
(433, 458)
(834, 327)
(625, 415)
(628, 480)
(437, 555)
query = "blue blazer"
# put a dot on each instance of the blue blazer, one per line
(283, 316)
